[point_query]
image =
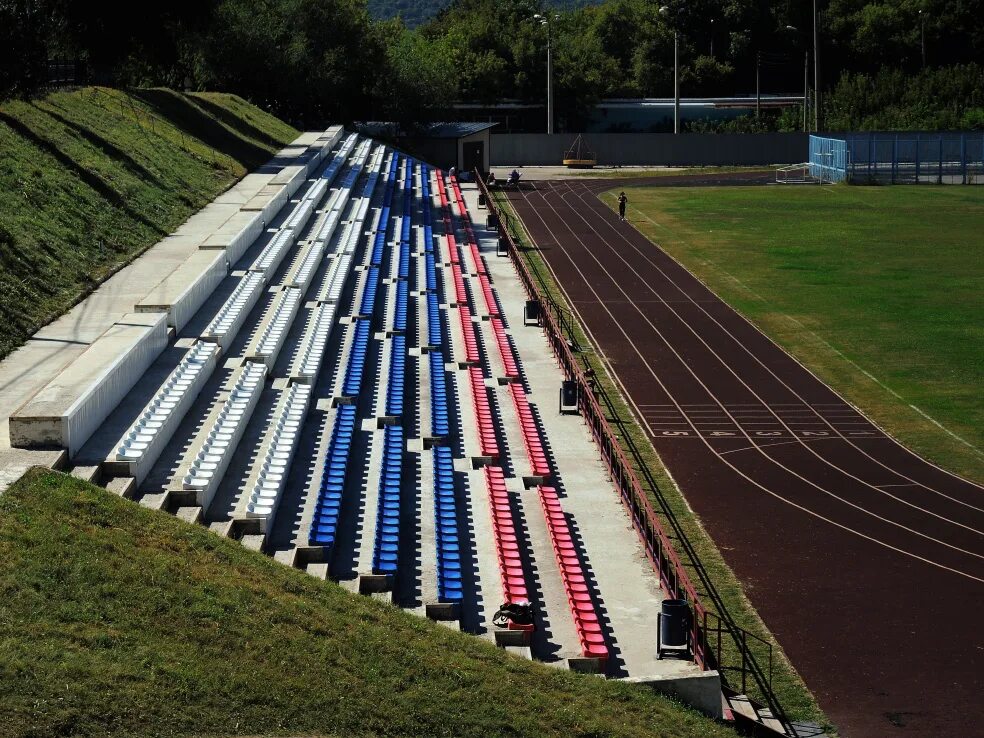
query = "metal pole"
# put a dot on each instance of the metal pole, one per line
(922, 36)
(806, 89)
(676, 81)
(758, 89)
(816, 70)
(550, 116)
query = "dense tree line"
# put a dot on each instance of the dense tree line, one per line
(888, 63)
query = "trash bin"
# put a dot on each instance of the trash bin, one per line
(674, 623)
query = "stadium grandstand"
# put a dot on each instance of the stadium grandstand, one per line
(332, 366)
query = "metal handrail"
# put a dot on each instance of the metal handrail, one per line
(662, 554)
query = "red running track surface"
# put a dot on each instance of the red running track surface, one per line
(865, 561)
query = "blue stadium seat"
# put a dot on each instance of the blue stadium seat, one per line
(449, 579)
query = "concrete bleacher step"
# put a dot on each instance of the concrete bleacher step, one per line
(183, 292)
(125, 487)
(66, 411)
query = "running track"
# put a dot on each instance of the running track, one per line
(865, 561)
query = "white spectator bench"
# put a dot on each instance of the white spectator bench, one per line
(148, 436)
(273, 335)
(267, 489)
(233, 313)
(205, 472)
(66, 411)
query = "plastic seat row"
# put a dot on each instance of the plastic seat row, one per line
(397, 376)
(506, 542)
(440, 421)
(435, 336)
(273, 253)
(331, 171)
(466, 222)
(303, 211)
(340, 199)
(269, 486)
(231, 316)
(273, 336)
(375, 172)
(483, 412)
(403, 271)
(505, 349)
(313, 350)
(150, 433)
(450, 587)
(469, 335)
(223, 437)
(324, 524)
(301, 277)
(446, 216)
(357, 359)
(586, 621)
(539, 464)
(386, 545)
(491, 303)
(402, 306)
(379, 243)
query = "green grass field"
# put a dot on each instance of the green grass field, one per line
(119, 620)
(89, 179)
(877, 289)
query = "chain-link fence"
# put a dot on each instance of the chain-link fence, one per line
(899, 158)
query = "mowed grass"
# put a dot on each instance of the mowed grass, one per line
(792, 693)
(119, 620)
(878, 290)
(89, 179)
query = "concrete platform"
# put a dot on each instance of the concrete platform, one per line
(69, 408)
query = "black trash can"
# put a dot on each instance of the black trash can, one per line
(674, 623)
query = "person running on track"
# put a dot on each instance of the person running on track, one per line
(622, 202)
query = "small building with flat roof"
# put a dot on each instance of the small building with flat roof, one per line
(465, 146)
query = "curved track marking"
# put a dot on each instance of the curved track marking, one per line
(741, 473)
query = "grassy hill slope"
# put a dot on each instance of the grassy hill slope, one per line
(91, 178)
(119, 620)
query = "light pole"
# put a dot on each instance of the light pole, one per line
(712, 38)
(665, 11)
(816, 70)
(922, 36)
(758, 88)
(544, 20)
(806, 80)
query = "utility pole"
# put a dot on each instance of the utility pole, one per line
(922, 36)
(545, 20)
(806, 88)
(816, 69)
(758, 88)
(676, 81)
(550, 115)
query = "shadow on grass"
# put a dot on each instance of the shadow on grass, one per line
(241, 125)
(195, 122)
(111, 150)
(88, 177)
